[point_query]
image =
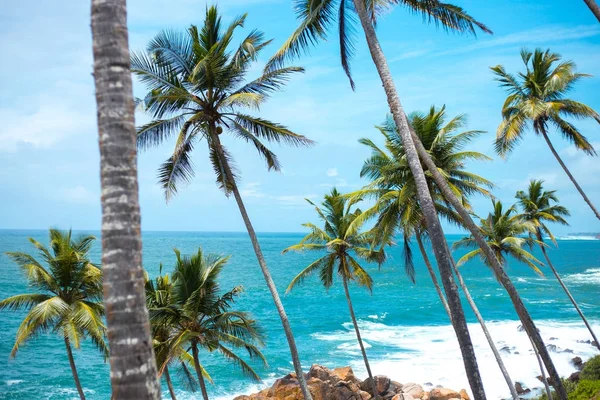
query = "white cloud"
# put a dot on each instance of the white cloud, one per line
(332, 172)
(80, 195)
(292, 200)
(252, 189)
(339, 183)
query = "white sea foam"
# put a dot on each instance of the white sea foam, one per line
(589, 276)
(12, 382)
(577, 237)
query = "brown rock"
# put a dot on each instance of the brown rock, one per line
(414, 390)
(365, 395)
(443, 394)
(464, 395)
(520, 390)
(345, 374)
(577, 362)
(574, 377)
(322, 373)
(403, 396)
(382, 383)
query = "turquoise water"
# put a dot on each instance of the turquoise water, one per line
(404, 326)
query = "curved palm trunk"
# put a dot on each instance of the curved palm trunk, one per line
(564, 167)
(490, 341)
(199, 372)
(433, 277)
(265, 270)
(544, 378)
(562, 284)
(360, 342)
(132, 363)
(170, 384)
(499, 272)
(594, 8)
(440, 247)
(73, 369)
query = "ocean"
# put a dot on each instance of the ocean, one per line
(406, 331)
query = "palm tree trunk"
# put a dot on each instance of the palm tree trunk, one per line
(73, 368)
(360, 342)
(585, 321)
(490, 341)
(564, 167)
(170, 384)
(499, 272)
(432, 274)
(544, 378)
(199, 372)
(438, 240)
(133, 366)
(594, 8)
(265, 270)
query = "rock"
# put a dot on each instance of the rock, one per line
(382, 383)
(413, 389)
(403, 396)
(464, 395)
(549, 379)
(551, 347)
(365, 395)
(577, 362)
(553, 338)
(322, 373)
(345, 374)
(505, 349)
(397, 386)
(443, 394)
(574, 377)
(568, 351)
(520, 390)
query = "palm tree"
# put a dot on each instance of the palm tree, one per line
(538, 208)
(594, 8)
(133, 367)
(537, 97)
(199, 317)
(196, 90)
(344, 245)
(68, 296)
(394, 189)
(316, 17)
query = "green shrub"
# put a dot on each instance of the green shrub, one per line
(569, 387)
(591, 370)
(586, 390)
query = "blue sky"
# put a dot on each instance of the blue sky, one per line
(48, 137)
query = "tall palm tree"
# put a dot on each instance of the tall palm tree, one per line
(538, 98)
(594, 8)
(316, 17)
(68, 296)
(393, 187)
(539, 207)
(197, 91)
(133, 367)
(199, 317)
(344, 245)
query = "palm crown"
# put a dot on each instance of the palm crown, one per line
(504, 231)
(69, 292)
(537, 98)
(197, 90)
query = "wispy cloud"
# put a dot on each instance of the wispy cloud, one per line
(340, 182)
(252, 189)
(332, 172)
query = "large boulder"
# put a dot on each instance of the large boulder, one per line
(443, 394)
(382, 384)
(464, 395)
(322, 373)
(345, 374)
(520, 389)
(577, 362)
(415, 390)
(403, 396)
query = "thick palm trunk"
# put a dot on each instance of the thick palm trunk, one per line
(440, 247)
(360, 342)
(133, 367)
(564, 167)
(265, 270)
(73, 369)
(499, 272)
(170, 384)
(544, 378)
(488, 337)
(433, 277)
(562, 284)
(594, 8)
(199, 371)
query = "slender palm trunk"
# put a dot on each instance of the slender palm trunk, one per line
(499, 272)
(170, 384)
(73, 369)
(564, 167)
(199, 372)
(490, 341)
(562, 284)
(360, 342)
(439, 244)
(544, 378)
(265, 270)
(433, 277)
(132, 363)
(594, 8)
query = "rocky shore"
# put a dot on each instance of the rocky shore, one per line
(342, 384)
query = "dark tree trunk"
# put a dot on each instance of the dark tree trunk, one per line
(438, 241)
(170, 384)
(543, 372)
(73, 369)
(265, 270)
(571, 177)
(594, 8)
(432, 274)
(499, 272)
(360, 342)
(133, 367)
(199, 371)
